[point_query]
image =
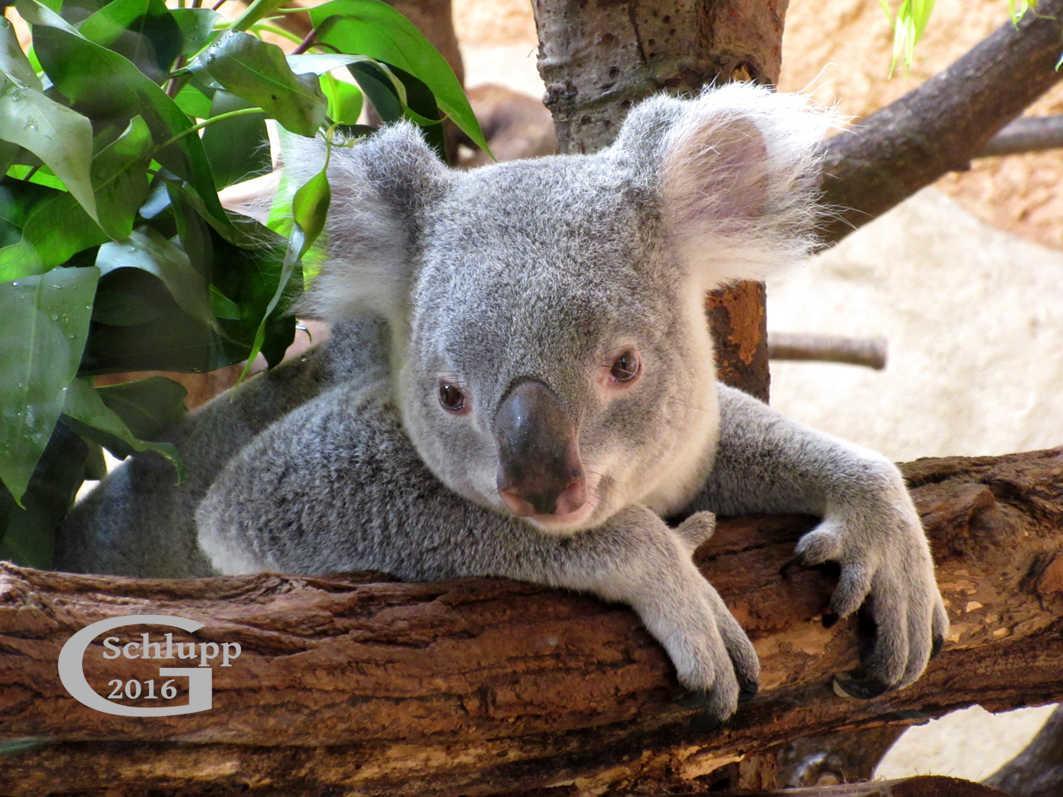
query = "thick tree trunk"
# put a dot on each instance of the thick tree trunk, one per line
(491, 686)
(598, 58)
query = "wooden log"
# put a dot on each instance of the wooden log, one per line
(490, 686)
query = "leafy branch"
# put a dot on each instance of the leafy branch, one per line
(118, 128)
(911, 19)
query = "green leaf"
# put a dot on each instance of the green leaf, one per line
(373, 28)
(238, 148)
(171, 341)
(224, 307)
(193, 101)
(107, 85)
(129, 297)
(197, 27)
(59, 136)
(44, 321)
(95, 464)
(258, 72)
(120, 178)
(256, 10)
(92, 418)
(344, 100)
(383, 89)
(141, 30)
(146, 249)
(309, 209)
(45, 244)
(27, 535)
(192, 231)
(166, 338)
(13, 61)
(1017, 10)
(147, 406)
(75, 11)
(908, 26)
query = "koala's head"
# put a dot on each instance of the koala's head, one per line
(551, 357)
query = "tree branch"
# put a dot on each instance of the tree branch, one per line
(941, 125)
(870, 352)
(483, 686)
(1026, 134)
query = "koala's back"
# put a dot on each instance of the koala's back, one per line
(140, 522)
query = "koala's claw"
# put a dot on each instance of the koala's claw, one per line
(858, 685)
(936, 646)
(714, 659)
(747, 690)
(887, 570)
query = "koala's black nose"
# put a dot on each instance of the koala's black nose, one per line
(539, 468)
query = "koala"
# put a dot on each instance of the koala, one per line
(520, 383)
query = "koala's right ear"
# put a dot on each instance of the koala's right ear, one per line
(380, 188)
(736, 173)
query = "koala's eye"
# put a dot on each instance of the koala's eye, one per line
(626, 367)
(451, 397)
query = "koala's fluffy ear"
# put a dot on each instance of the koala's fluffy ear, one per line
(736, 171)
(380, 188)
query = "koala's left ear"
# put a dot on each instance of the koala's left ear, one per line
(381, 187)
(737, 173)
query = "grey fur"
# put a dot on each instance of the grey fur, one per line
(539, 270)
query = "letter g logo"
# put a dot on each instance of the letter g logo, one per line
(72, 672)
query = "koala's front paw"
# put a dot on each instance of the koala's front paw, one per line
(885, 561)
(712, 655)
(714, 659)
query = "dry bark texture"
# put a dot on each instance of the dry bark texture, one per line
(491, 686)
(598, 58)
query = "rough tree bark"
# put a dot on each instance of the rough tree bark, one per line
(491, 686)
(597, 58)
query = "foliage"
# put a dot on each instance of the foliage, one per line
(117, 130)
(908, 25)
(911, 19)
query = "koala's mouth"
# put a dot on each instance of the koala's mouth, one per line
(587, 516)
(568, 522)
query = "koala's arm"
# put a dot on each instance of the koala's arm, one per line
(336, 485)
(768, 463)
